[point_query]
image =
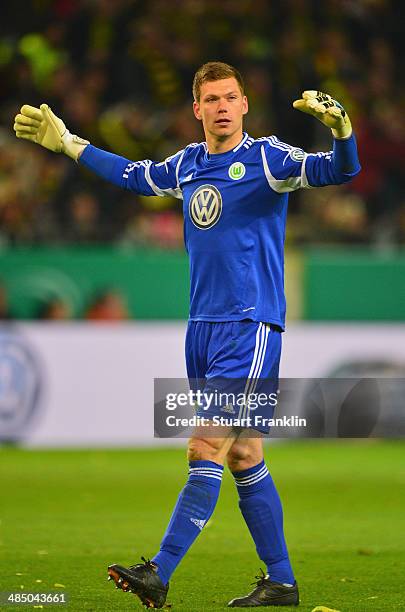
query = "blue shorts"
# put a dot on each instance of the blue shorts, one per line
(237, 364)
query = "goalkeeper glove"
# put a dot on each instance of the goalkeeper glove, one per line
(327, 111)
(42, 126)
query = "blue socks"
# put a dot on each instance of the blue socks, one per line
(261, 508)
(194, 507)
(259, 503)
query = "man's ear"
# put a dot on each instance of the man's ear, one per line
(245, 105)
(196, 109)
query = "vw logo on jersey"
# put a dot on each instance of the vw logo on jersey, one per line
(205, 206)
(236, 171)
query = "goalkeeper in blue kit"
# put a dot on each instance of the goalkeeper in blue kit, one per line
(234, 191)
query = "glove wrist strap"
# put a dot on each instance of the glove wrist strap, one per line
(73, 145)
(343, 132)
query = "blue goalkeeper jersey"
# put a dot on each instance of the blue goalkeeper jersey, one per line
(235, 209)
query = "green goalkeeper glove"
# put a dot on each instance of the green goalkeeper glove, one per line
(42, 126)
(327, 111)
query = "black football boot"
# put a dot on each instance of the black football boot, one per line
(142, 580)
(267, 593)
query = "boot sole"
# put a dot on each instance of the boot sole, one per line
(121, 582)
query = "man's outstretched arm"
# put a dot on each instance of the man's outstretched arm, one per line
(43, 127)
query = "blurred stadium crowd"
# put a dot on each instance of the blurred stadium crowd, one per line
(119, 73)
(108, 304)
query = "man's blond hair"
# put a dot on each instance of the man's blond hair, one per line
(215, 71)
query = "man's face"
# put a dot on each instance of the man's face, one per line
(221, 108)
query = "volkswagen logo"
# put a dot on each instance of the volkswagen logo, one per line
(205, 206)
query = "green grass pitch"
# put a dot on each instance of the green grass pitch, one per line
(65, 515)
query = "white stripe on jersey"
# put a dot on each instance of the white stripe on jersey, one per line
(304, 178)
(276, 143)
(178, 167)
(176, 192)
(326, 154)
(157, 190)
(131, 167)
(241, 143)
(283, 185)
(282, 146)
(248, 143)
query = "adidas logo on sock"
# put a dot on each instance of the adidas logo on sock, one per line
(200, 523)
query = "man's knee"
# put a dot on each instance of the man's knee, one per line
(205, 449)
(244, 455)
